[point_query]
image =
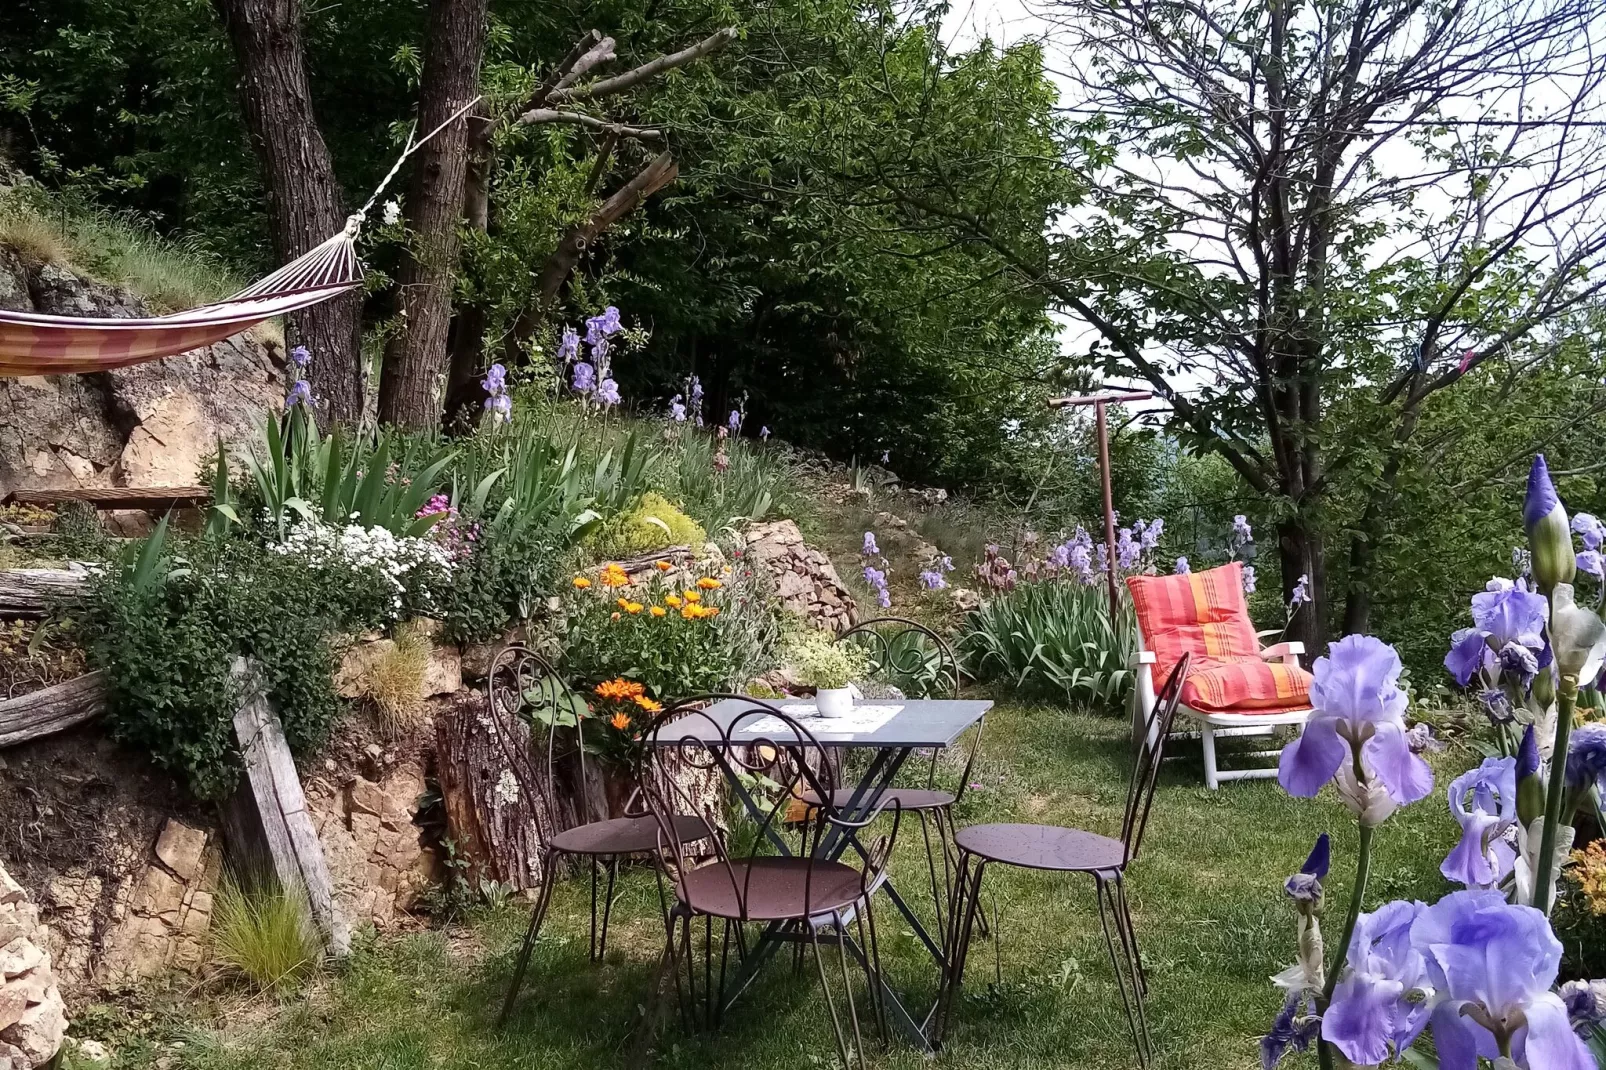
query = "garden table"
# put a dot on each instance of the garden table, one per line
(892, 729)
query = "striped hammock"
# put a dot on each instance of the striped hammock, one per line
(35, 344)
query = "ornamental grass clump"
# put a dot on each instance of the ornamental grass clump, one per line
(263, 937)
(394, 683)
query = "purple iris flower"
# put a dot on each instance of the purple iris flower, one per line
(1290, 1032)
(735, 421)
(500, 407)
(1126, 550)
(1549, 538)
(1484, 803)
(300, 394)
(585, 378)
(1151, 534)
(1301, 593)
(569, 347)
(1103, 558)
(870, 547)
(696, 390)
(1241, 534)
(1586, 756)
(1590, 561)
(1081, 562)
(599, 352)
(1586, 1005)
(1060, 556)
(608, 392)
(677, 409)
(300, 357)
(1356, 703)
(933, 580)
(1249, 579)
(1491, 966)
(598, 328)
(1593, 531)
(1503, 615)
(1377, 1010)
(875, 577)
(1182, 567)
(764, 432)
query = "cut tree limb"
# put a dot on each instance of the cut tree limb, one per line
(630, 79)
(52, 709)
(154, 499)
(35, 592)
(574, 118)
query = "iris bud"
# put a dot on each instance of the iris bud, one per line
(1550, 539)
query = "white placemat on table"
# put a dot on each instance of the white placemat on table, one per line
(865, 718)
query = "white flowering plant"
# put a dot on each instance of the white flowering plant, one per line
(383, 575)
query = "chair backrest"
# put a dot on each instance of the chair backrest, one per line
(1199, 613)
(531, 711)
(921, 664)
(908, 655)
(1150, 753)
(775, 761)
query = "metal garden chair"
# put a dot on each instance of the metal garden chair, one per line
(1068, 850)
(519, 680)
(751, 877)
(921, 664)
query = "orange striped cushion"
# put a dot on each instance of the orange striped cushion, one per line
(1246, 687)
(1204, 614)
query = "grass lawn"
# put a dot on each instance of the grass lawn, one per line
(1206, 894)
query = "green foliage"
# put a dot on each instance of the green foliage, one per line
(651, 523)
(668, 642)
(511, 565)
(263, 936)
(1052, 638)
(823, 662)
(167, 625)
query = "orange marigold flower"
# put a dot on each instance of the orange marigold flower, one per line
(709, 583)
(620, 720)
(692, 612)
(662, 566)
(632, 607)
(647, 704)
(621, 602)
(694, 596)
(581, 582)
(614, 576)
(658, 611)
(672, 600)
(710, 611)
(616, 688)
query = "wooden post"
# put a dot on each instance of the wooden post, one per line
(268, 814)
(52, 709)
(1099, 403)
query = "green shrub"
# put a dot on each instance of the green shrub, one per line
(1052, 638)
(263, 936)
(652, 522)
(510, 568)
(166, 629)
(823, 662)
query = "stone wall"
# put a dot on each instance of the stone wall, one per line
(364, 798)
(149, 425)
(33, 1018)
(805, 580)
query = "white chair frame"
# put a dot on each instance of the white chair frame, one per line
(1213, 726)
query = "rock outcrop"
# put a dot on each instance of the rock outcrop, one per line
(33, 1019)
(148, 425)
(805, 580)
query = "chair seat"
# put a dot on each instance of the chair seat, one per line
(1043, 847)
(907, 798)
(772, 887)
(624, 835)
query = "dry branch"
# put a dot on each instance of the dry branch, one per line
(35, 592)
(551, 115)
(649, 70)
(52, 709)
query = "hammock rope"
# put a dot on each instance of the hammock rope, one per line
(33, 343)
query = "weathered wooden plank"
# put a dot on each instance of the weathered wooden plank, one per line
(34, 592)
(157, 499)
(274, 788)
(52, 709)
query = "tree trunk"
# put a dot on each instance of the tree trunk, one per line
(304, 200)
(468, 328)
(1299, 548)
(415, 360)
